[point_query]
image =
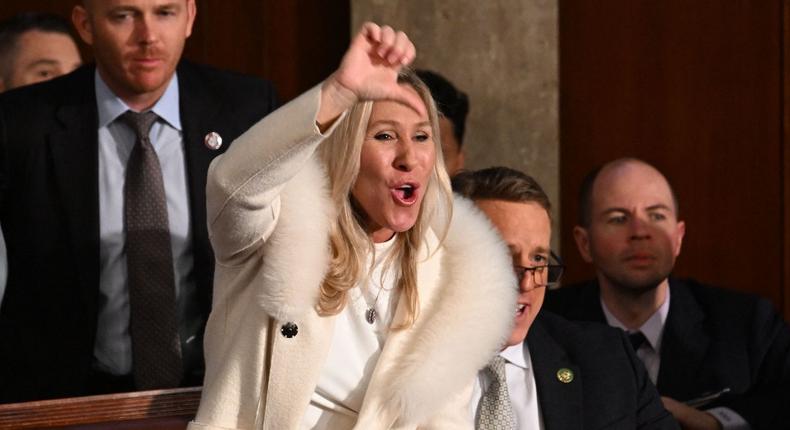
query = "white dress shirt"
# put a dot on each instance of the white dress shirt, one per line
(520, 387)
(649, 353)
(113, 348)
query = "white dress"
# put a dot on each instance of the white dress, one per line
(355, 348)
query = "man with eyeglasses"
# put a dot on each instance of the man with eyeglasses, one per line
(720, 358)
(562, 375)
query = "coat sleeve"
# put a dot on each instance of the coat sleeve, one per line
(244, 183)
(764, 405)
(243, 199)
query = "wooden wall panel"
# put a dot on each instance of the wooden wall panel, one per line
(696, 89)
(786, 147)
(295, 44)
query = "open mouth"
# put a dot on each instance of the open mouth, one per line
(407, 191)
(405, 194)
(520, 309)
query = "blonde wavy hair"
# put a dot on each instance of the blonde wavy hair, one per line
(350, 244)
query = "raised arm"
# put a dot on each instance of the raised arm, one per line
(245, 182)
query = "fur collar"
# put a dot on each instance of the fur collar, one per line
(468, 318)
(468, 322)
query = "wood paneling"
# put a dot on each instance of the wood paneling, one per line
(159, 409)
(295, 44)
(786, 147)
(696, 88)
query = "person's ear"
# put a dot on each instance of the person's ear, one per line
(191, 13)
(680, 232)
(582, 237)
(81, 20)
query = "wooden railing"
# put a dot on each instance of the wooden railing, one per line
(150, 410)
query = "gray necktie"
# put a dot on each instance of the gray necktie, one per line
(496, 412)
(156, 349)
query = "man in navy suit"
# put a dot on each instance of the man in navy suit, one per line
(564, 375)
(720, 358)
(65, 145)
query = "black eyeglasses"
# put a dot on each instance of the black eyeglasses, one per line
(545, 275)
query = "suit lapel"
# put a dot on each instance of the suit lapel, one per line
(74, 152)
(560, 403)
(683, 345)
(580, 303)
(589, 304)
(199, 109)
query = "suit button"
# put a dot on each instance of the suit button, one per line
(289, 330)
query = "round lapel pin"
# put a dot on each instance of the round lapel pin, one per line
(565, 375)
(213, 140)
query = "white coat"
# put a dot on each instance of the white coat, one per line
(269, 214)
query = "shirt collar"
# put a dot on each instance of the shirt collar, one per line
(110, 106)
(516, 355)
(653, 328)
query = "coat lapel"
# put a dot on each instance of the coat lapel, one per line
(588, 305)
(74, 151)
(560, 403)
(683, 345)
(200, 114)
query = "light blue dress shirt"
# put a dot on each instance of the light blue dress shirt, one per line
(113, 348)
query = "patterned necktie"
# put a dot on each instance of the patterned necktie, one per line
(156, 348)
(637, 339)
(496, 412)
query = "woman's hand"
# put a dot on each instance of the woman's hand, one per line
(369, 71)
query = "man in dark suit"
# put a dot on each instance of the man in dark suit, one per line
(34, 47)
(720, 358)
(564, 375)
(103, 237)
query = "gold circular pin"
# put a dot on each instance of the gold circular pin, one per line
(565, 375)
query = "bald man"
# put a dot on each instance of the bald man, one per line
(558, 374)
(719, 358)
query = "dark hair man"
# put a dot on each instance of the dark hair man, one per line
(102, 200)
(720, 358)
(453, 106)
(35, 47)
(552, 373)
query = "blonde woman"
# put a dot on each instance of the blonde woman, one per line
(351, 289)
